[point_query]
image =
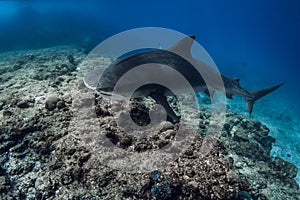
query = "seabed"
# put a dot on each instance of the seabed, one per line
(253, 158)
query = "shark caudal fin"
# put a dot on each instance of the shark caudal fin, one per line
(257, 95)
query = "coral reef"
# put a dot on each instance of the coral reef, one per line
(41, 159)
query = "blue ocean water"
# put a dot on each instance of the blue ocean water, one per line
(257, 41)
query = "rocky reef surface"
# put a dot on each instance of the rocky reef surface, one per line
(43, 157)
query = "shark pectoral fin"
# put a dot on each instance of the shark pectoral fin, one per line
(183, 47)
(162, 100)
(257, 95)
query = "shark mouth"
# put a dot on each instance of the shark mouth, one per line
(111, 95)
(105, 94)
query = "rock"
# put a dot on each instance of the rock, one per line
(84, 158)
(267, 142)
(234, 129)
(232, 177)
(193, 184)
(51, 102)
(252, 151)
(125, 142)
(162, 143)
(37, 77)
(71, 67)
(244, 195)
(141, 147)
(67, 67)
(18, 65)
(2, 71)
(30, 56)
(226, 126)
(64, 69)
(58, 80)
(23, 104)
(2, 104)
(67, 98)
(284, 168)
(236, 121)
(60, 104)
(189, 152)
(240, 165)
(244, 123)
(230, 161)
(67, 177)
(240, 136)
(70, 58)
(7, 113)
(166, 125)
(257, 125)
(4, 185)
(202, 126)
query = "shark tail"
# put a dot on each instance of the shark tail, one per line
(257, 95)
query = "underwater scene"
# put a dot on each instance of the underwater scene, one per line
(176, 99)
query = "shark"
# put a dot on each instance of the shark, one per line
(179, 58)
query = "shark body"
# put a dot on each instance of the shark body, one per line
(179, 58)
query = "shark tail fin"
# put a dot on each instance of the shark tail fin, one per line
(257, 95)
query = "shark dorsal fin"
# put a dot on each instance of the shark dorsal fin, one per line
(183, 46)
